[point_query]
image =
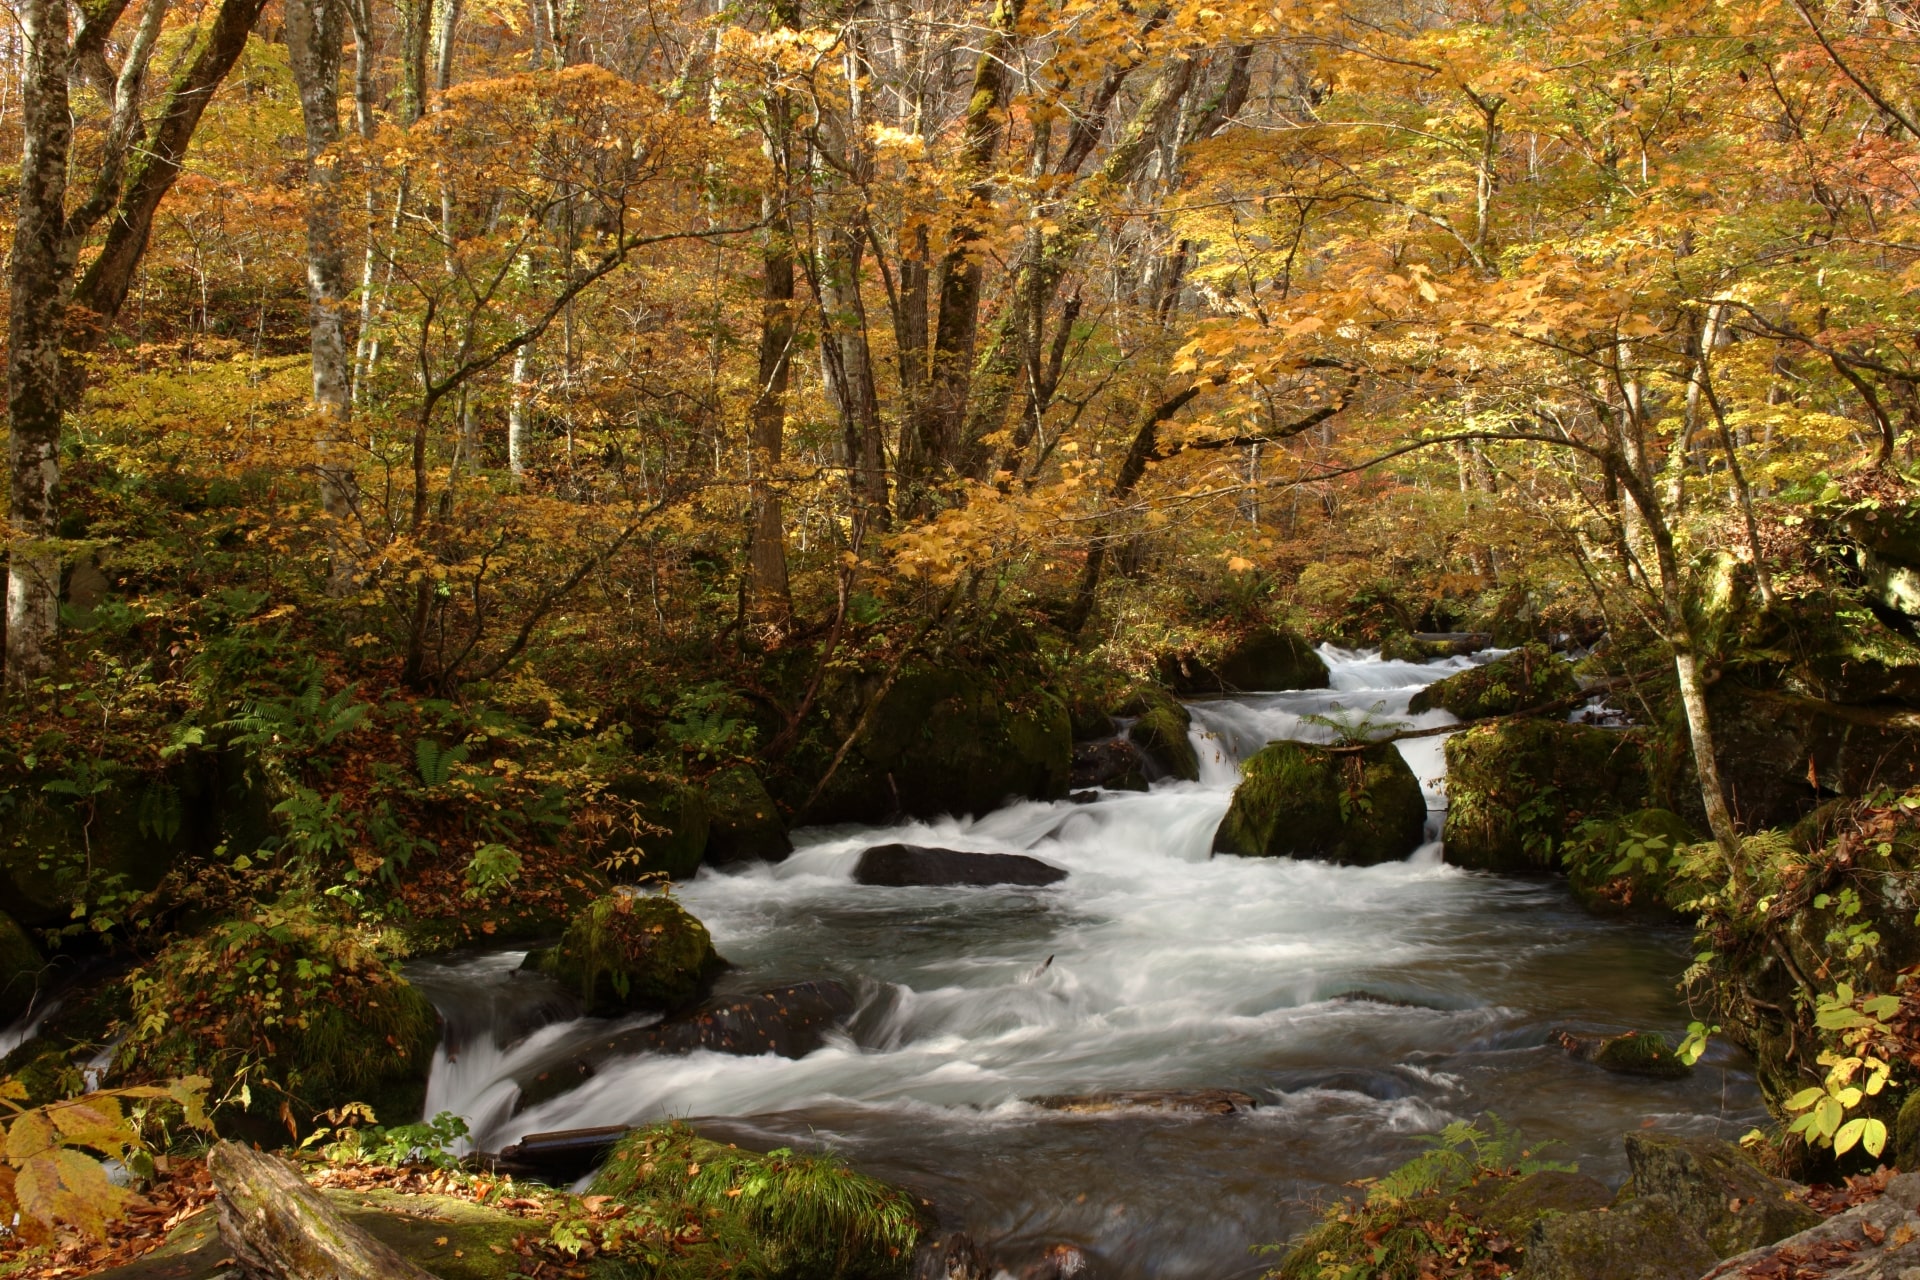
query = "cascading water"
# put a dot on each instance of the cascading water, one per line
(1361, 1006)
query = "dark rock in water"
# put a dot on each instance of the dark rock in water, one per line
(20, 966)
(1082, 797)
(1159, 730)
(1271, 658)
(1059, 1262)
(1297, 800)
(789, 1021)
(1527, 677)
(564, 1153)
(1632, 1054)
(900, 865)
(1716, 1190)
(1114, 763)
(745, 825)
(1212, 1102)
(1872, 1241)
(1639, 1240)
(632, 951)
(950, 1257)
(1517, 788)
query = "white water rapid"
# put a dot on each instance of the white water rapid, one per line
(1361, 1006)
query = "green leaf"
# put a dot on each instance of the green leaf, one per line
(1848, 1135)
(1805, 1098)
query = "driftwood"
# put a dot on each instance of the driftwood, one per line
(279, 1228)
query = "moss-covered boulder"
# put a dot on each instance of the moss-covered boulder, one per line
(20, 968)
(1633, 862)
(670, 822)
(1517, 788)
(744, 824)
(633, 951)
(1296, 800)
(1632, 1053)
(1716, 1190)
(1639, 1240)
(1527, 677)
(782, 1214)
(1270, 658)
(940, 741)
(1159, 730)
(302, 1007)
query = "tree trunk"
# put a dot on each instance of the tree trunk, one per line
(279, 1228)
(314, 39)
(36, 329)
(848, 360)
(772, 604)
(519, 428)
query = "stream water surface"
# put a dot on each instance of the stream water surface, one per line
(1361, 1006)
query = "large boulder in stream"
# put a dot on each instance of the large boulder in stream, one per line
(1517, 788)
(900, 865)
(1113, 763)
(744, 824)
(1716, 1190)
(1639, 1240)
(790, 1021)
(939, 741)
(1528, 677)
(1271, 658)
(632, 951)
(1297, 800)
(1159, 730)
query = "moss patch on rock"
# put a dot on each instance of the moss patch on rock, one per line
(799, 1217)
(297, 1005)
(940, 741)
(667, 835)
(745, 824)
(1640, 1240)
(1270, 658)
(1516, 789)
(632, 951)
(1297, 800)
(1633, 863)
(1160, 731)
(1527, 677)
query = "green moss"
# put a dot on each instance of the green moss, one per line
(1640, 1054)
(801, 1217)
(20, 966)
(293, 1004)
(669, 838)
(1524, 678)
(1517, 789)
(628, 951)
(1296, 800)
(745, 823)
(1270, 658)
(1160, 730)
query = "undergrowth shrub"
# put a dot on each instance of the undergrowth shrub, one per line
(289, 1011)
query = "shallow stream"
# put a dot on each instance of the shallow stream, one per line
(1361, 1006)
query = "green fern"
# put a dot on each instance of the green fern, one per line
(437, 762)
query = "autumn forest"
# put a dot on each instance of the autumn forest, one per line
(726, 595)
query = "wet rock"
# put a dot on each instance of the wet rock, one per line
(1296, 800)
(1906, 1134)
(1631, 1054)
(1211, 1102)
(1159, 730)
(1113, 763)
(1059, 1262)
(1527, 677)
(790, 1021)
(951, 1257)
(1516, 789)
(20, 966)
(632, 951)
(1271, 658)
(744, 823)
(1878, 1240)
(1512, 1206)
(1716, 1190)
(1640, 1240)
(901, 865)
(941, 741)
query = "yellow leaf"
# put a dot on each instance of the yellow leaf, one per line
(67, 1186)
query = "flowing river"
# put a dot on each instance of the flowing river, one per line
(1362, 1007)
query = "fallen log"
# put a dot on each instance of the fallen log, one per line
(279, 1228)
(562, 1152)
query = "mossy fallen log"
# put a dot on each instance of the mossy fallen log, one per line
(280, 1228)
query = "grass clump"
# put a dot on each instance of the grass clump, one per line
(786, 1215)
(289, 1011)
(629, 951)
